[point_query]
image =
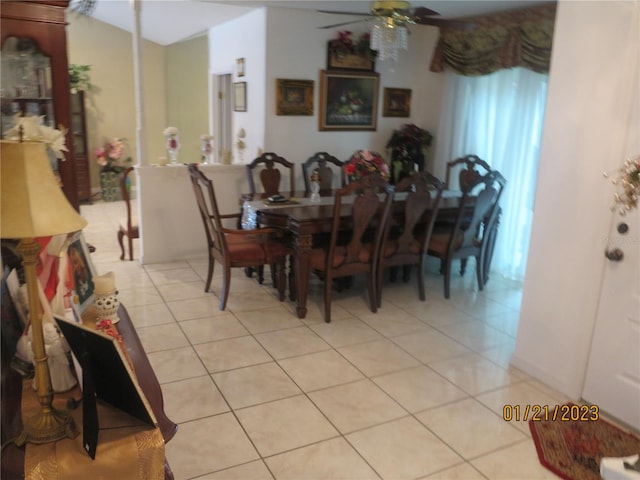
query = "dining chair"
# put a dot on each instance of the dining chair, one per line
(269, 175)
(404, 244)
(354, 249)
(321, 162)
(233, 247)
(469, 234)
(128, 227)
(465, 170)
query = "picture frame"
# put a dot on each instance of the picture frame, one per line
(82, 270)
(397, 102)
(294, 97)
(348, 60)
(240, 67)
(240, 97)
(348, 100)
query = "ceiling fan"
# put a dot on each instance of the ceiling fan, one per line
(397, 12)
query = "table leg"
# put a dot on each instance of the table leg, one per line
(303, 255)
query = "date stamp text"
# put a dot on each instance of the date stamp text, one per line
(562, 413)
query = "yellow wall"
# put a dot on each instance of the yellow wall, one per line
(110, 104)
(187, 70)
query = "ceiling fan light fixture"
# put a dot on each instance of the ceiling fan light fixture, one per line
(388, 38)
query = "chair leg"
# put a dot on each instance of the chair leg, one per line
(226, 280)
(479, 273)
(379, 278)
(120, 237)
(421, 279)
(293, 294)
(207, 286)
(463, 266)
(406, 273)
(327, 299)
(371, 287)
(260, 271)
(130, 247)
(447, 278)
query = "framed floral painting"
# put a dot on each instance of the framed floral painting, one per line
(294, 97)
(348, 101)
(397, 102)
(240, 97)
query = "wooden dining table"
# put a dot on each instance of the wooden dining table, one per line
(308, 221)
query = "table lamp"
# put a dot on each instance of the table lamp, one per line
(32, 205)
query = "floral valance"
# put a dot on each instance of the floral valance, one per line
(520, 38)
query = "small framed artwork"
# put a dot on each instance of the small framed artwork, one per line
(397, 102)
(240, 66)
(348, 101)
(338, 59)
(294, 97)
(83, 271)
(240, 96)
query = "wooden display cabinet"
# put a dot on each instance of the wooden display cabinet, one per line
(80, 148)
(39, 23)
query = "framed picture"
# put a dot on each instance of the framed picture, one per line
(240, 66)
(339, 60)
(294, 97)
(348, 101)
(83, 271)
(397, 102)
(240, 96)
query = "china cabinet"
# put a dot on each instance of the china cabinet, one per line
(35, 75)
(80, 153)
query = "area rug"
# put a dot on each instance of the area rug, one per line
(573, 449)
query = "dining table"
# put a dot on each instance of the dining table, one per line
(309, 221)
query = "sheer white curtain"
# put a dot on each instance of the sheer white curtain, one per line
(499, 117)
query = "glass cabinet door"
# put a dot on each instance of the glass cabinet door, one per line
(26, 83)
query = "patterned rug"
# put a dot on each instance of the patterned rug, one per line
(572, 449)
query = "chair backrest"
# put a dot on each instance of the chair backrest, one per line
(468, 168)
(269, 175)
(477, 206)
(209, 213)
(369, 200)
(125, 191)
(319, 162)
(421, 205)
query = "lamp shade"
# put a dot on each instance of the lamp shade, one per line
(32, 203)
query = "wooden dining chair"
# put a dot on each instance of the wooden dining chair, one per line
(269, 175)
(234, 248)
(356, 238)
(404, 244)
(469, 234)
(321, 162)
(129, 226)
(464, 171)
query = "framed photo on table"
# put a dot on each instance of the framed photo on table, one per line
(82, 270)
(397, 102)
(240, 97)
(294, 97)
(348, 101)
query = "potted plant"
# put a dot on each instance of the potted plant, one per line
(79, 79)
(406, 145)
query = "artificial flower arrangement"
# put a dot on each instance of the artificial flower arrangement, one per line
(628, 182)
(32, 129)
(364, 163)
(171, 134)
(345, 45)
(110, 157)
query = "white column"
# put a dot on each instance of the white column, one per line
(141, 134)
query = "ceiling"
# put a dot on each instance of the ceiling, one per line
(169, 21)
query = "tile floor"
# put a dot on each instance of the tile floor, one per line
(415, 391)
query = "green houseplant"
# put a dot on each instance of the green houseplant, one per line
(79, 78)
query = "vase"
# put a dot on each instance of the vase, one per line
(106, 300)
(173, 145)
(109, 182)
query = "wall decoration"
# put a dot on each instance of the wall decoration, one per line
(348, 100)
(240, 66)
(294, 97)
(240, 96)
(348, 53)
(397, 102)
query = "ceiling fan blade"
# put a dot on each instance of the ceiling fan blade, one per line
(334, 12)
(421, 13)
(345, 23)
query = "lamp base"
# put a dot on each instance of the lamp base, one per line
(47, 426)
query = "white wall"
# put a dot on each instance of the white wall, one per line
(295, 48)
(593, 71)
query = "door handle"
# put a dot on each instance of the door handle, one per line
(614, 255)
